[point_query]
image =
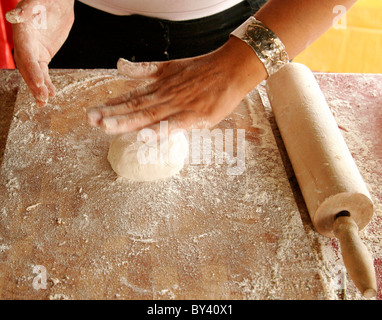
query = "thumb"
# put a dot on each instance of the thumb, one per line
(22, 12)
(140, 70)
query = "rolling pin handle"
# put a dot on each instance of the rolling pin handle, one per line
(356, 257)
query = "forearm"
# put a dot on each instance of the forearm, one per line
(203, 90)
(298, 23)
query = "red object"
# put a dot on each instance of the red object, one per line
(6, 41)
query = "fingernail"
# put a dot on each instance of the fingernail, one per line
(52, 90)
(41, 103)
(13, 16)
(94, 117)
(42, 98)
(109, 125)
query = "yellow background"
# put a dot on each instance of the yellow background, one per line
(357, 48)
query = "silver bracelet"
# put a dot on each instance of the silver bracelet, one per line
(267, 46)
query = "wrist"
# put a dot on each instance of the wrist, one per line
(264, 42)
(245, 67)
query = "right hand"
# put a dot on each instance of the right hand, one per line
(36, 42)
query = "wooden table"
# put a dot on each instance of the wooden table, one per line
(69, 229)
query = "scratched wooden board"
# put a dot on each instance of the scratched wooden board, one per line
(66, 218)
(355, 101)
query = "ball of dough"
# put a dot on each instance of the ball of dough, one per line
(147, 161)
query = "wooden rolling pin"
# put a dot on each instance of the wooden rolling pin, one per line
(335, 194)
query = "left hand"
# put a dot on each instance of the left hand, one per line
(35, 45)
(188, 93)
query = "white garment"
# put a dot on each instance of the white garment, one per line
(176, 10)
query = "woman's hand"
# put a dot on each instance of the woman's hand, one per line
(39, 30)
(188, 93)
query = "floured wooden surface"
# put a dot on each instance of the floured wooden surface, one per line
(203, 234)
(355, 101)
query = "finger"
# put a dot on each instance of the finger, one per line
(109, 111)
(137, 120)
(47, 80)
(35, 80)
(96, 114)
(139, 98)
(21, 13)
(140, 70)
(43, 96)
(15, 16)
(135, 94)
